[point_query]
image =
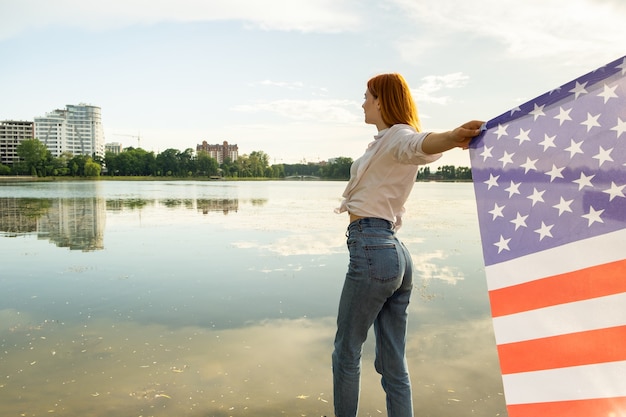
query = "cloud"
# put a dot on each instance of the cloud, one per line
(321, 244)
(427, 268)
(319, 110)
(433, 84)
(326, 16)
(569, 30)
(294, 85)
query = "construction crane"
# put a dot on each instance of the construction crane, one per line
(138, 137)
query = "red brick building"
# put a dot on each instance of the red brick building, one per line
(219, 152)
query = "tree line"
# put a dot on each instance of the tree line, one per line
(36, 160)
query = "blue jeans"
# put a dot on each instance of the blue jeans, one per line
(376, 291)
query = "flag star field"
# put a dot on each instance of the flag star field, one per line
(554, 169)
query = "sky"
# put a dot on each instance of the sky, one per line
(287, 77)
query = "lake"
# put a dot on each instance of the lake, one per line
(184, 298)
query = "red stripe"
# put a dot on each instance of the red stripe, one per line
(597, 281)
(597, 407)
(594, 346)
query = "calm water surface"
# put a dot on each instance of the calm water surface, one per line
(219, 299)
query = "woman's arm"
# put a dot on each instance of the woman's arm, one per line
(457, 138)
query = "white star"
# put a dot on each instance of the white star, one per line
(486, 153)
(529, 164)
(574, 148)
(497, 211)
(515, 110)
(620, 127)
(538, 111)
(584, 181)
(523, 136)
(507, 158)
(544, 230)
(536, 196)
(513, 188)
(615, 191)
(519, 221)
(563, 115)
(503, 244)
(603, 156)
(608, 93)
(501, 131)
(592, 121)
(563, 206)
(555, 172)
(548, 142)
(492, 181)
(593, 216)
(579, 89)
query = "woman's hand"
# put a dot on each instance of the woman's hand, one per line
(457, 138)
(463, 134)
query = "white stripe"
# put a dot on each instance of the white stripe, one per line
(605, 380)
(566, 258)
(592, 314)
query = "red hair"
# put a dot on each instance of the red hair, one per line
(396, 102)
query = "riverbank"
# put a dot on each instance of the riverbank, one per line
(17, 178)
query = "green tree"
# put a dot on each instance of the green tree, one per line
(448, 172)
(127, 163)
(186, 163)
(34, 154)
(258, 162)
(338, 169)
(207, 166)
(463, 173)
(243, 166)
(111, 162)
(167, 162)
(57, 166)
(278, 171)
(92, 168)
(77, 165)
(132, 161)
(148, 162)
(229, 168)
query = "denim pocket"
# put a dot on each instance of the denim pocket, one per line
(383, 261)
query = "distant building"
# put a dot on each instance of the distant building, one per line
(77, 129)
(12, 133)
(113, 147)
(219, 152)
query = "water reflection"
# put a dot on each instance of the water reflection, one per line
(185, 311)
(19, 215)
(79, 223)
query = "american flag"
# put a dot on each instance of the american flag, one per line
(550, 185)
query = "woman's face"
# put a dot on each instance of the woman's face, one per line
(371, 108)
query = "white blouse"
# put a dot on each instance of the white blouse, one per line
(382, 179)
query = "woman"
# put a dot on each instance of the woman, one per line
(379, 279)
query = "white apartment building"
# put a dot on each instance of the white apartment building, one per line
(12, 133)
(77, 129)
(113, 147)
